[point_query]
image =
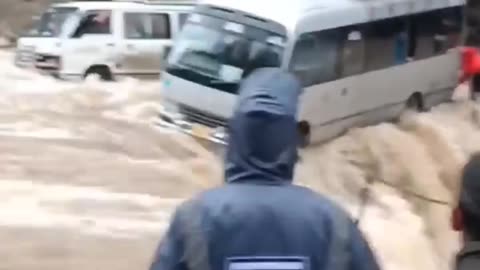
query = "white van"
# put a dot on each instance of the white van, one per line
(360, 62)
(44, 33)
(110, 39)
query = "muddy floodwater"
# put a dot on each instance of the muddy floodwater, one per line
(87, 182)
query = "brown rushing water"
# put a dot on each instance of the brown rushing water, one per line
(87, 182)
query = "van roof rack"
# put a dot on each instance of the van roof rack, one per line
(161, 2)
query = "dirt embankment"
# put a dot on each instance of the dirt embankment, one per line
(16, 15)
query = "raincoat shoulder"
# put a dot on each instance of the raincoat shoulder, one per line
(221, 224)
(258, 217)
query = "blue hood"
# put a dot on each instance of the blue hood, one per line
(263, 133)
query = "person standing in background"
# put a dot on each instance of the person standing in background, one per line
(401, 47)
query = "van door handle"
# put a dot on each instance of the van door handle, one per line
(110, 44)
(344, 91)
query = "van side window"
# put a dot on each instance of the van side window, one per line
(136, 26)
(352, 58)
(386, 43)
(146, 26)
(315, 57)
(160, 26)
(96, 22)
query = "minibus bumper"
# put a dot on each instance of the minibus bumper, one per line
(178, 123)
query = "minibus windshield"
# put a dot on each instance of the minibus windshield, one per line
(218, 53)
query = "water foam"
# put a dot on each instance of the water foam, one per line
(102, 158)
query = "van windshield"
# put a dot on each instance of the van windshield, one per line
(218, 54)
(51, 22)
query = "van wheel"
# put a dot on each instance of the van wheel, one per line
(102, 72)
(304, 132)
(415, 103)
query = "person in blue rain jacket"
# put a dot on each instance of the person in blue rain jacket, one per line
(401, 48)
(259, 220)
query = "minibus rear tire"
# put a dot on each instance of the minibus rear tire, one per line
(415, 102)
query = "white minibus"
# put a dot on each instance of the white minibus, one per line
(360, 61)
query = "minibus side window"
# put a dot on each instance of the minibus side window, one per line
(425, 31)
(448, 28)
(94, 23)
(353, 52)
(435, 32)
(315, 57)
(386, 43)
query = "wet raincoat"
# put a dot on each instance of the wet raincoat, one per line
(259, 220)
